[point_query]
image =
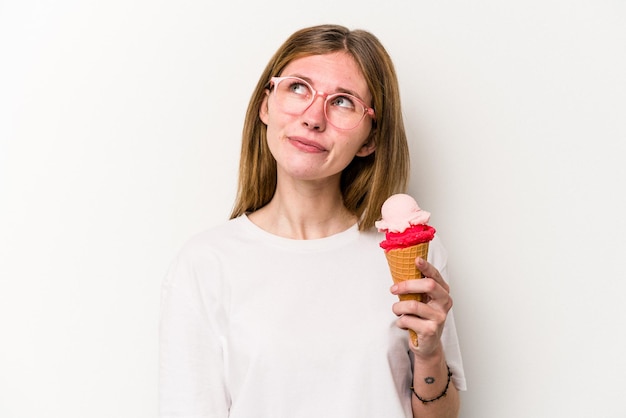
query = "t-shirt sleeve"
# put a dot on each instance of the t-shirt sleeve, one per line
(438, 257)
(191, 336)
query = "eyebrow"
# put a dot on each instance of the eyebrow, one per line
(339, 90)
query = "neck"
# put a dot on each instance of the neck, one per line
(305, 212)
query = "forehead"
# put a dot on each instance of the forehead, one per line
(332, 72)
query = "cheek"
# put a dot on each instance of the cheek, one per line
(272, 118)
(362, 138)
(272, 138)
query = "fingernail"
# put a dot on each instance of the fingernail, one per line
(394, 288)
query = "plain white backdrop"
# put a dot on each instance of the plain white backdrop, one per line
(120, 128)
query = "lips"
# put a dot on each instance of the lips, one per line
(306, 145)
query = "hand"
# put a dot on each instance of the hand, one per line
(427, 317)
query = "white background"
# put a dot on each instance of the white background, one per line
(120, 128)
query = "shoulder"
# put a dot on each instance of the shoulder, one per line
(202, 253)
(437, 254)
(372, 236)
(212, 239)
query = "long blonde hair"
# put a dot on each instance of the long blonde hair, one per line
(367, 181)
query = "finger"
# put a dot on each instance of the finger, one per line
(428, 332)
(423, 328)
(432, 293)
(428, 286)
(416, 308)
(428, 270)
(426, 311)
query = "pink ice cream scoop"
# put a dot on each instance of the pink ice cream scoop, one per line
(404, 223)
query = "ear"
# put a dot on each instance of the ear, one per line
(263, 110)
(367, 148)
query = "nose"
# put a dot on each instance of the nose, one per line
(314, 116)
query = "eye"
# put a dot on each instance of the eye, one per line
(299, 88)
(344, 101)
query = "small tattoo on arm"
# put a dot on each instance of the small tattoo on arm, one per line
(429, 380)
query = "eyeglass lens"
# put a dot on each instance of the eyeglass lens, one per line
(294, 96)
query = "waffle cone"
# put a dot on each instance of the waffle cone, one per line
(402, 267)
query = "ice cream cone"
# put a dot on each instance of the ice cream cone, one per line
(402, 266)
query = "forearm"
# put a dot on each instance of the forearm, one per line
(430, 378)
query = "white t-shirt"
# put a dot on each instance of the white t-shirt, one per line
(256, 325)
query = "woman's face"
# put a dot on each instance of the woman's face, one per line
(305, 145)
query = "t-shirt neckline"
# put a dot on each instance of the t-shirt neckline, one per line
(332, 241)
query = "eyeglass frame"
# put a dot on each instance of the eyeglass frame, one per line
(367, 111)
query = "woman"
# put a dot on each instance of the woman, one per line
(285, 310)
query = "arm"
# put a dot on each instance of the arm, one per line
(427, 319)
(430, 378)
(191, 370)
